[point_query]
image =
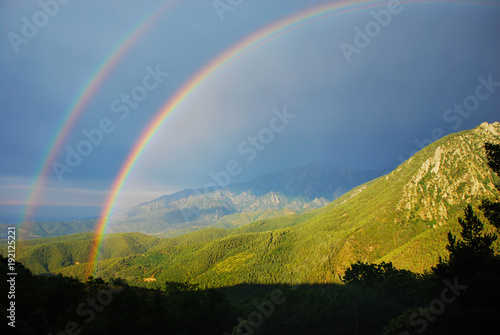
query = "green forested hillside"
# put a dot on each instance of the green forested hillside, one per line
(342, 269)
(402, 217)
(51, 254)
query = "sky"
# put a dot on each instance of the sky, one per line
(363, 90)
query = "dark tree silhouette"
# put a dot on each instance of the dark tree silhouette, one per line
(474, 243)
(469, 254)
(491, 209)
(371, 273)
(493, 154)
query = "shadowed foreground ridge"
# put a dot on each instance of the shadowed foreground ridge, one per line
(373, 301)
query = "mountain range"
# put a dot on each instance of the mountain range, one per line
(402, 217)
(272, 195)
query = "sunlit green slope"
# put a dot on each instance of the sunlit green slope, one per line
(402, 217)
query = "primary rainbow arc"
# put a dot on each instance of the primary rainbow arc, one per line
(221, 63)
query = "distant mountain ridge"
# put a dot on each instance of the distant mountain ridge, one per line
(271, 195)
(297, 189)
(311, 182)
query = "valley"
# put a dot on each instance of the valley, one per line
(292, 233)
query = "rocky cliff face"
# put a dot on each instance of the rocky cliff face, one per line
(454, 173)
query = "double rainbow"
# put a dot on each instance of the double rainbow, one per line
(208, 73)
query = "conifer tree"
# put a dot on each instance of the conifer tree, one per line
(474, 243)
(491, 209)
(470, 253)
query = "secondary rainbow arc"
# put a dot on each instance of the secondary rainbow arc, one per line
(79, 105)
